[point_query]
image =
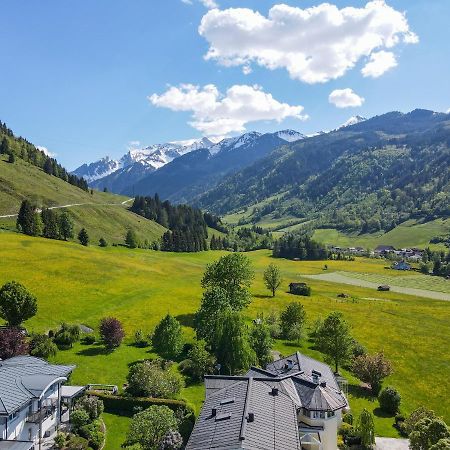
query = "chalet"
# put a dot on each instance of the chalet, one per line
(295, 403)
(31, 398)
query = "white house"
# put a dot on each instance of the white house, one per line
(31, 396)
(295, 403)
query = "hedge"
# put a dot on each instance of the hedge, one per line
(123, 405)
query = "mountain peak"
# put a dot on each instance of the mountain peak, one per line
(352, 121)
(290, 135)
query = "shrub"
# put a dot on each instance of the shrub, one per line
(60, 440)
(149, 379)
(92, 405)
(79, 418)
(67, 335)
(112, 332)
(89, 339)
(139, 339)
(418, 414)
(302, 289)
(167, 339)
(93, 433)
(171, 441)
(12, 343)
(399, 418)
(77, 443)
(42, 346)
(389, 400)
(348, 418)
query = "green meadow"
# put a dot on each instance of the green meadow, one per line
(82, 285)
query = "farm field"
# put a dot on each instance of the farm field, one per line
(437, 288)
(82, 285)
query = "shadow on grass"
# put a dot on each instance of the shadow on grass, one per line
(94, 351)
(360, 392)
(263, 296)
(381, 413)
(187, 320)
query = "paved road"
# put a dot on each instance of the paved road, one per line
(74, 204)
(391, 444)
(334, 277)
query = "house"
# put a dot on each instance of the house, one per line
(31, 396)
(401, 265)
(384, 249)
(295, 403)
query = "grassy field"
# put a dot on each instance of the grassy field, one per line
(102, 214)
(407, 234)
(82, 285)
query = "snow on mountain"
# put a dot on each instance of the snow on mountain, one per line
(352, 121)
(99, 169)
(290, 135)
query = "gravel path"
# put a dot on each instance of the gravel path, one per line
(391, 444)
(334, 277)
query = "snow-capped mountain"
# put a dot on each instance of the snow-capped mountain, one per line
(99, 169)
(290, 135)
(352, 121)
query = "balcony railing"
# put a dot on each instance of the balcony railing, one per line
(44, 413)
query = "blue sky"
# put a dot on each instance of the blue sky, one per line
(76, 76)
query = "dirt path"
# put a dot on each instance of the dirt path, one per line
(334, 277)
(75, 204)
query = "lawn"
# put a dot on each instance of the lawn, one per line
(82, 285)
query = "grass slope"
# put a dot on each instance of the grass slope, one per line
(82, 285)
(102, 214)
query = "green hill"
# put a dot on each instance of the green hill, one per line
(102, 214)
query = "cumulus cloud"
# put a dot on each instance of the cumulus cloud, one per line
(46, 151)
(345, 98)
(379, 63)
(210, 4)
(314, 44)
(448, 111)
(214, 113)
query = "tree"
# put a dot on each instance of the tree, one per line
(366, 429)
(150, 379)
(51, 223)
(102, 242)
(112, 332)
(261, 342)
(65, 226)
(428, 432)
(11, 158)
(67, 335)
(233, 350)
(171, 441)
(200, 362)
(233, 274)
(4, 147)
(27, 222)
(17, 304)
(12, 343)
(42, 346)
(131, 239)
(167, 339)
(389, 400)
(372, 369)
(442, 444)
(292, 321)
(83, 237)
(272, 278)
(92, 405)
(208, 317)
(334, 339)
(417, 415)
(149, 428)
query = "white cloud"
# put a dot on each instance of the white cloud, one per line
(247, 70)
(345, 98)
(210, 4)
(214, 113)
(46, 151)
(314, 44)
(379, 63)
(448, 111)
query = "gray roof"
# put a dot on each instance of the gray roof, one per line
(275, 417)
(301, 382)
(23, 378)
(16, 445)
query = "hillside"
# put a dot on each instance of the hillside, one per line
(102, 214)
(364, 178)
(81, 285)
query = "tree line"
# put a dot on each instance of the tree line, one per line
(19, 147)
(299, 247)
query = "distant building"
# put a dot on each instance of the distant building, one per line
(401, 265)
(384, 249)
(31, 396)
(296, 403)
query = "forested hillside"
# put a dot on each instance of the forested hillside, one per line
(365, 178)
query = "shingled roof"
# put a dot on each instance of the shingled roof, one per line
(259, 410)
(24, 378)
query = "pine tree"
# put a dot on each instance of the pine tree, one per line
(4, 147)
(131, 239)
(26, 222)
(11, 158)
(50, 223)
(83, 237)
(65, 226)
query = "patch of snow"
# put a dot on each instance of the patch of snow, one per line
(290, 135)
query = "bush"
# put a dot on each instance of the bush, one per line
(60, 440)
(346, 430)
(112, 332)
(399, 418)
(389, 400)
(348, 418)
(77, 443)
(167, 340)
(79, 418)
(42, 346)
(302, 289)
(93, 433)
(149, 379)
(92, 405)
(66, 336)
(89, 339)
(139, 339)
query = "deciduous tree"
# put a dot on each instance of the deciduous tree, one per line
(112, 332)
(12, 343)
(261, 342)
(292, 321)
(272, 278)
(17, 304)
(372, 369)
(167, 339)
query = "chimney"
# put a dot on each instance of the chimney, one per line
(251, 417)
(323, 384)
(214, 412)
(274, 391)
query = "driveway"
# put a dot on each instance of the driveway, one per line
(391, 444)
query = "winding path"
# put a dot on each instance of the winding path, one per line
(74, 204)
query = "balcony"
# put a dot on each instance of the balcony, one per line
(47, 410)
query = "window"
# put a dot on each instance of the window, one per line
(13, 416)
